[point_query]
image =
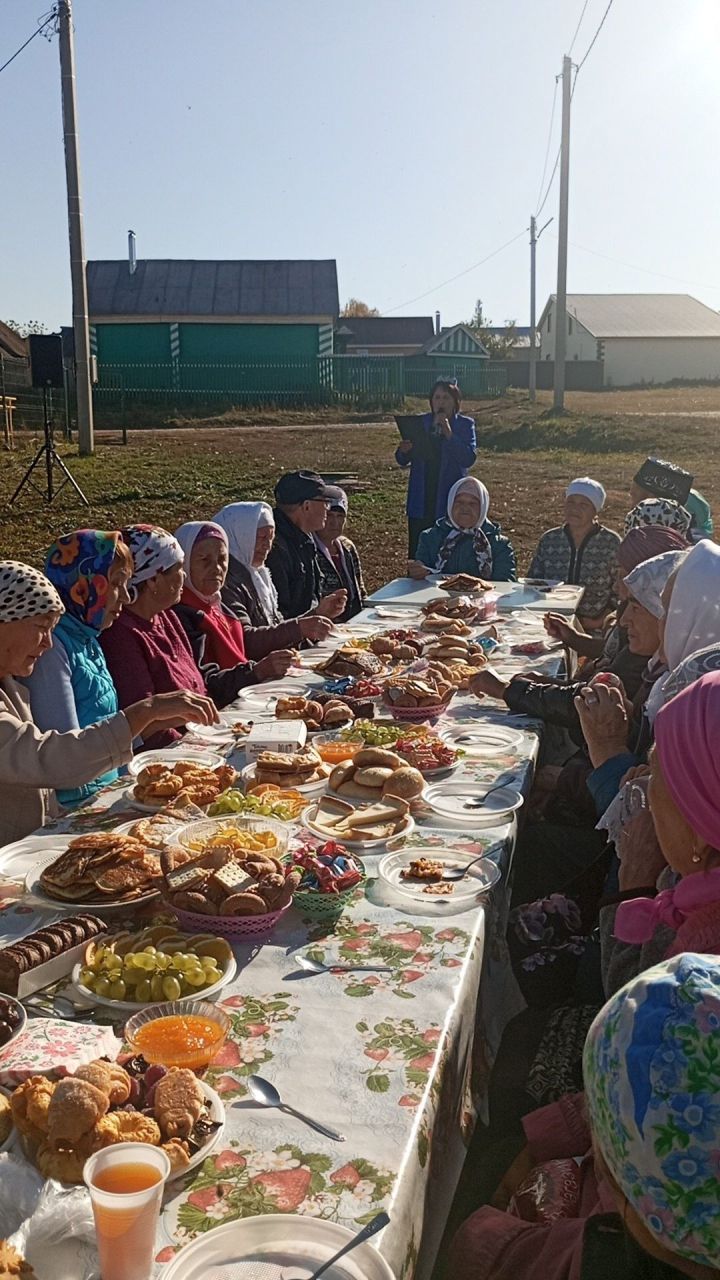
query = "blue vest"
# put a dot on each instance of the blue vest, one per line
(93, 688)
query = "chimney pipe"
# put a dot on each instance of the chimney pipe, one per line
(132, 259)
(437, 322)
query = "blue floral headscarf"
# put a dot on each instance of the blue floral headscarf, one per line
(652, 1084)
(78, 565)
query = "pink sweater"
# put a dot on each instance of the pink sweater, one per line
(150, 657)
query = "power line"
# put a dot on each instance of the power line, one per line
(465, 272)
(43, 24)
(632, 266)
(549, 138)
(582, 15)
(601, 24)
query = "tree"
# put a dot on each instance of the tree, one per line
(498, 344)
(25, 327)
(354, 307)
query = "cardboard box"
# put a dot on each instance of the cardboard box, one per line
(284, 736)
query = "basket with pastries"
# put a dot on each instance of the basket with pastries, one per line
(418, 697)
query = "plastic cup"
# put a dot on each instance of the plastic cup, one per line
(126, 1222)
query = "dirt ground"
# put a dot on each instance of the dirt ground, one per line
(525, 456)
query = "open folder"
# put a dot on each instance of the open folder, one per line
(412, 428)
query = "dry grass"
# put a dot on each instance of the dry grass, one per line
(525, 457)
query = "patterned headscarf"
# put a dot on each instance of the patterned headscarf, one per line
(652, 1087)
(25, 592)
(649, 579)
(481, 546)
(658, 511)
(691, 669)
(153, 551)
(197, 531)
(77, 565)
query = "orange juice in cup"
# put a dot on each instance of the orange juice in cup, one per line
(126, 1184)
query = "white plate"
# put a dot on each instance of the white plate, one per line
(248, 777)
(264, 1246)
(263, 698)
(481, 739)
(172, 756)
(479, 879)
(44, 901)
(384, 611)
(308, 820)
(132, 1006)
(446, 800)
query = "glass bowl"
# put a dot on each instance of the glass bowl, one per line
(205, 828)
(170, 1051)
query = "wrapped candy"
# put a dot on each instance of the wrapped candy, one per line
(329, 869)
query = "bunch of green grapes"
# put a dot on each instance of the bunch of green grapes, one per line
(373, 735)
(148, 976)
(236, 802)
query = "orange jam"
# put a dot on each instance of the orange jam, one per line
(180, 1040)
(336, 752)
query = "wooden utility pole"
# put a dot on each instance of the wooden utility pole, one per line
(81, 328)
(531, 367)
(561, 293)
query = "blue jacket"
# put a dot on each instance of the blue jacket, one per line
(71, 687)
(457, 455)
(462, 557)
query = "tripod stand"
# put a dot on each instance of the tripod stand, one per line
(52, 460)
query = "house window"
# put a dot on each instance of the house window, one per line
(549, 319)
(569, 324)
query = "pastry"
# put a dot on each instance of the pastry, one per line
(108, 1077)
(405, 782)
(30, 1103)
(423, 869)
(12, 1264)
(178, 1102)
(75, 1107)
(6, 1118)
(178, 1153)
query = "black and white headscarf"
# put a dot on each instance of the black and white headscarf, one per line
(658, 511)
(25, 592)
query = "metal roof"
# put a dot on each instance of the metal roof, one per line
(642, 315)
(389, 331)
(177, 287)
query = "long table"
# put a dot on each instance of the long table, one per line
(416, 592)
(398, 1063)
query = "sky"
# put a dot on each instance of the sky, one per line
(404, 138)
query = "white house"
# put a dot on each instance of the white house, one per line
(641, 337)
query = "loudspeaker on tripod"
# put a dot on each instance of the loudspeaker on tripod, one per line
(46, 363)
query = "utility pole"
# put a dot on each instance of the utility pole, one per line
(561, 296)
(75, 227)
(531, 368)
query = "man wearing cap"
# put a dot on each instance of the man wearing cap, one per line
(339, 560)
(302, 501)
(657, 478)
(444, 455)
(582, 551)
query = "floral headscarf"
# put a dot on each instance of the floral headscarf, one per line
(658, 511)
(652, 1087)
(648, 580)
(25, 592)
(153, 551)
(481, 546)
(691, 669)
(77, 565)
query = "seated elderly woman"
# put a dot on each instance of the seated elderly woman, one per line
(71, 686)
(33, 764)
(249, 592)
(652, 1093)
(340, 567)
(216, 636)
(147, 649)
(465, 541)
(581, 551)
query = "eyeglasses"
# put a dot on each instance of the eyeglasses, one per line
(325, 502)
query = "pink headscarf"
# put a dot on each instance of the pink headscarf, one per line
(687, 738)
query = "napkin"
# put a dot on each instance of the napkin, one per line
(55, 1047)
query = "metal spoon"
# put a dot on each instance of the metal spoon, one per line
(458, 873)
(265, 1093)
(378, 1223)
(317, 966)
(478, 804)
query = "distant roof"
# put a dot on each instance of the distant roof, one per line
(457, 340)
(11, 344)
(188, 287)
(389, 331)
(642, 315)
(521, 330)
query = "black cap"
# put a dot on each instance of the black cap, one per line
(664, 480)
(301, 486)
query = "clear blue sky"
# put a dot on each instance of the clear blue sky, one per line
(405, 138)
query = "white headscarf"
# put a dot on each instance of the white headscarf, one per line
(481, 546)
(25, 592)
(585, 487)
(241, 521)
(187, 535)
(693, 617)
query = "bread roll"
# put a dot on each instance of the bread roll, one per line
(373, 775)
(376, 756)
(341, 773)
(406, 783)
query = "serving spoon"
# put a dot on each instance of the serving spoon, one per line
(317, 966)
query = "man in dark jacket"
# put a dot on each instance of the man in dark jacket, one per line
(302, 500)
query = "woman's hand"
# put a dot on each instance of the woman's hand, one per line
(333, 605)
(560, 629)
(637, 771)
(171, 710)
(275, 664)
(445, 427)
(405, 446)
(604, 720)
(520, 1169)
(641, 859)
(314, 626)
(416, 569)
(487, 684)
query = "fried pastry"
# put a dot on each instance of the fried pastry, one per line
(12, 1264)
(30, 1103)
(178, 1102)
(178, 1153)
(110, 1078)
(74, 1108)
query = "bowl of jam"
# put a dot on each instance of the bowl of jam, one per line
(190, 1033)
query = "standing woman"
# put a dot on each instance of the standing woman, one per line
(71, 686)
(340, 566)
(582, 551)
(446, 454)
